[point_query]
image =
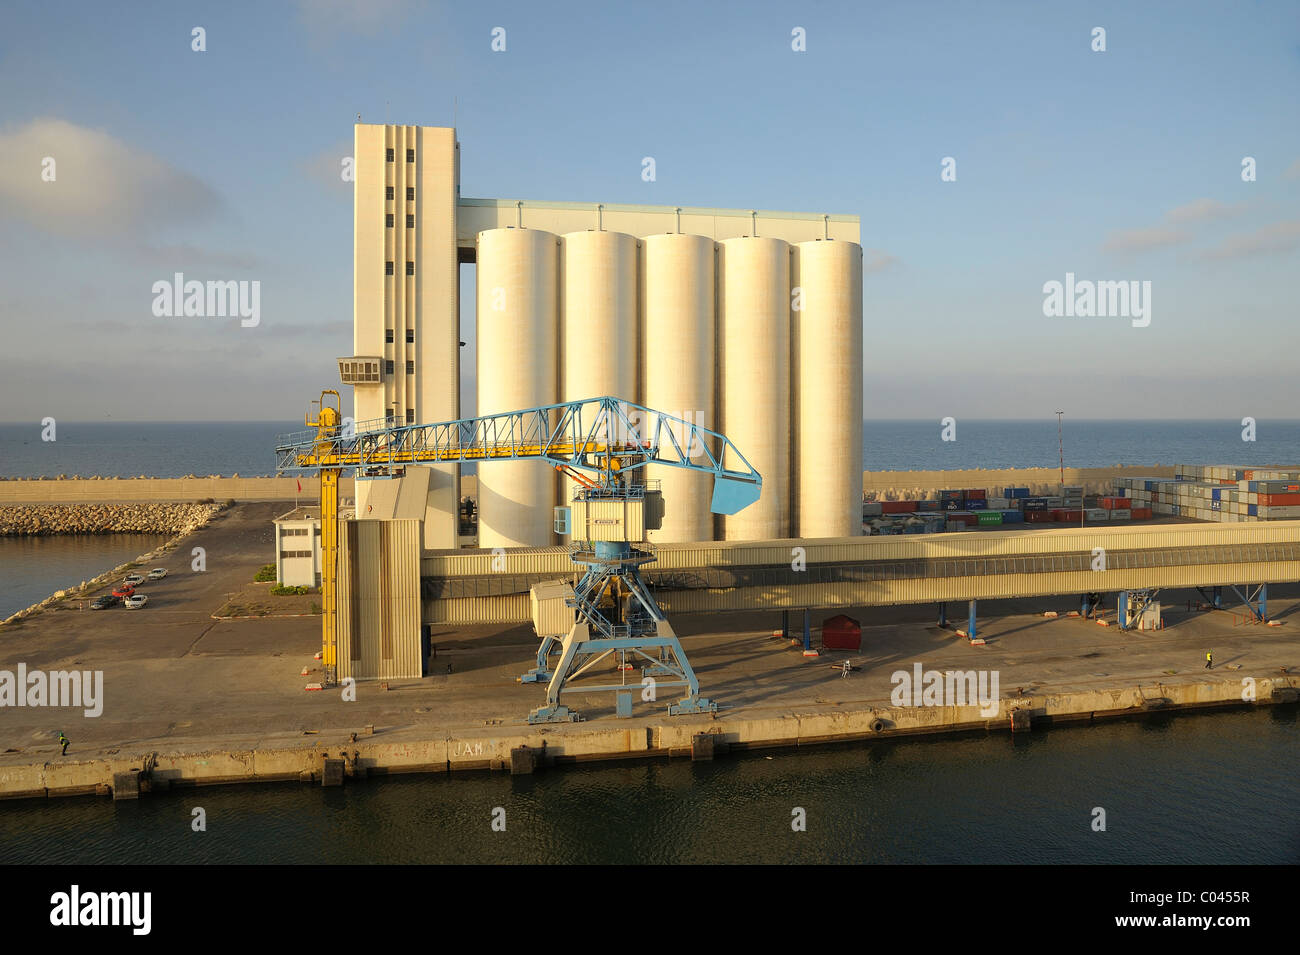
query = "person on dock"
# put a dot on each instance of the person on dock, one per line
(1209, 659)
(63, 741)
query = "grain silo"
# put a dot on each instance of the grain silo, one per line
(598, 319)
(754, 388)
(518, 368)
(678, 367)
(826, 383)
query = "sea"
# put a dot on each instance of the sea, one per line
(1191, 789)
(247, 448)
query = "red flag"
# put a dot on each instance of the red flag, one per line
(300, 486)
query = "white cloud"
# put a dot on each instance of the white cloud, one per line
(1134, 240)
(1267, 240)
(326, 167)
(323, 17)
(1204, 210)
(876, 260)
(102, 186)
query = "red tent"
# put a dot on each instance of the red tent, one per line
(841, 633)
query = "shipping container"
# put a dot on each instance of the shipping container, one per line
(841, 633)
(1012, 516)
(1096, 514)
(989, 518)
(1111, 503)
(975, 493)
(976, 504)
(897, 507)
(1014, 492)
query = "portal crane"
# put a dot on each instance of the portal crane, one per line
(603, 444)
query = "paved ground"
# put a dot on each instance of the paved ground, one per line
(178, 680)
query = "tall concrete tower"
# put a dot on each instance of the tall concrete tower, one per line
(405, 366)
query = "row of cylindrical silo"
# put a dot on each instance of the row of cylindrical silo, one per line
(751, 336)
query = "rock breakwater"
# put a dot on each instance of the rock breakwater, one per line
(45, 520)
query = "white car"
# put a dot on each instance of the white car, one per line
(158, 573)
(133, 580)
(135, 601)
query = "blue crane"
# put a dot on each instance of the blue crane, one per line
(604, 444)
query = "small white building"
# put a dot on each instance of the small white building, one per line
(297, 547)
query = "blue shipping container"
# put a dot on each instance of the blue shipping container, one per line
(1012, 517)
(977, 504)
(1251, 509)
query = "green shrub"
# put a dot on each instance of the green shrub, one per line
(280, 591)
(316, 608)
(266, 573)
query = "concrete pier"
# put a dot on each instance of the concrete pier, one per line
(189, 700)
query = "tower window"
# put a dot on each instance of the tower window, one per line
(410, 192)
(410, 336)
(388, 192)
(390, 155)
(388, 336)
(410, 416)
(410, 221)
(410, 267)
(388, 268)
(410, 367)
(410, 155)
(388, 366)
(388, 219)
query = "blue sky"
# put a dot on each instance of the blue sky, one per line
(1116, 165)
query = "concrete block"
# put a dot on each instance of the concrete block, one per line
(332, 775)
(523, 761)
(126, 786)
(701, 747)
(1021, 720)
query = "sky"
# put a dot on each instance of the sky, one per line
(1123, 164)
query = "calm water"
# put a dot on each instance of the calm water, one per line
(163, 449)
(35, 567)
(1207, 789)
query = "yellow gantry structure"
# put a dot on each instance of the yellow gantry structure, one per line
(601, 442)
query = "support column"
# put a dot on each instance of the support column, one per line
(1263, 601)
(1218, 598)
(970, 625)
(785, 624)
(1122, 609)
(943, 615)
(1084, 606)
(808, 651)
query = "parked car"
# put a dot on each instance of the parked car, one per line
(123, 591)
(158, 573)
(103, 603)
(134, 580)
(136, 601)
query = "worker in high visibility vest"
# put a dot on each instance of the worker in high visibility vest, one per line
(1209, 659)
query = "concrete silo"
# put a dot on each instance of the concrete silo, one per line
(826, 382)
(598, 319)
(678, 367)
(754, 369)
(518, 367)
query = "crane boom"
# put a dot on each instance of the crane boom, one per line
(604, 437)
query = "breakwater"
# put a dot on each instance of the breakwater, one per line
(44, 520)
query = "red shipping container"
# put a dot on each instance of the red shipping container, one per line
(976, 494)
(897, 507)
(1141, 514)
(841, 633)
(1114, 503)
(1038, 517)
(1279, 500)
(1068, 517)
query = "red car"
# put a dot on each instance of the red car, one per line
(123, 591)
